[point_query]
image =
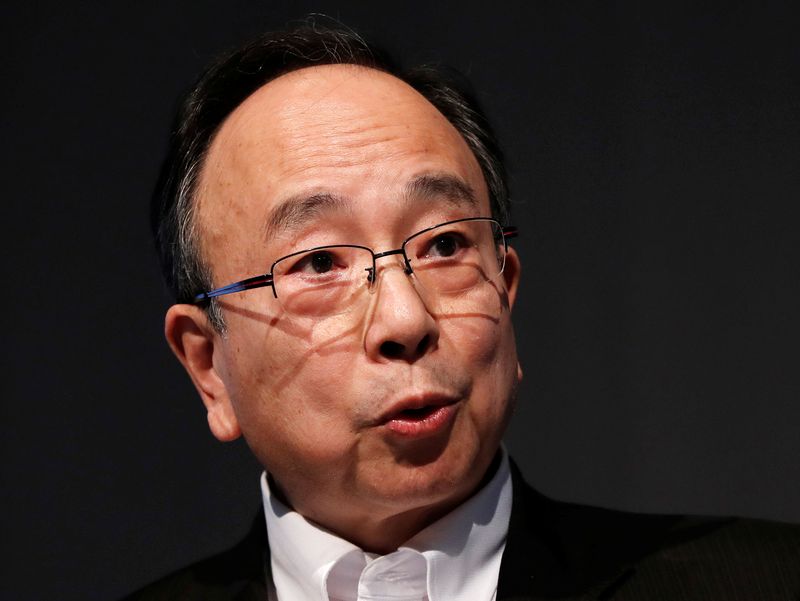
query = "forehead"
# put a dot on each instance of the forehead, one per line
(343, 130)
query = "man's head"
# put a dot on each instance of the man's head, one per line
(373, 420)
(228, 82)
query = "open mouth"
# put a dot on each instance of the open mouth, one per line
(421, 421)
(418, 413)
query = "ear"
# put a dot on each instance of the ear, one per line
(194, 342)
(511, 273)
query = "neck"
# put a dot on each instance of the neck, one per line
(383, 531)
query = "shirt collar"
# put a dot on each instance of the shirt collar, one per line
(462, 550)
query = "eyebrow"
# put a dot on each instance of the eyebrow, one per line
(292, 213)
(446, 186)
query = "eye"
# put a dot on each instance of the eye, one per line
(445, 245)
(321, 262)
(315, 263)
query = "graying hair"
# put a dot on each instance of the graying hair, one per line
(229, 81)
(196, 273)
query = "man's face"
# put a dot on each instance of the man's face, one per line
(329, 155)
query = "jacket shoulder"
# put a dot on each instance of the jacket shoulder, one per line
(736, 559)
(562, 550)
(236, 574)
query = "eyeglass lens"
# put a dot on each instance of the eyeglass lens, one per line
(447, 259)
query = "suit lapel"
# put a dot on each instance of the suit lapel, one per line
(564, 551)
(250, 564)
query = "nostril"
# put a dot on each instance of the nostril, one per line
(392, 349)
(395, 350)
(423, 344)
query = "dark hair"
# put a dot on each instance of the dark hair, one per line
(234, 77)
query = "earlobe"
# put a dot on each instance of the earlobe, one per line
(193, 341)
(511, 274)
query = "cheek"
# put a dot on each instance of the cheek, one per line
(288, 390)
(273, 353)
(486, 350)
(476, 337)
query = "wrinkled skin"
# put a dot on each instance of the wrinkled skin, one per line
(310, 396)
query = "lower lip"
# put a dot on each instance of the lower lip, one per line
(431, 423)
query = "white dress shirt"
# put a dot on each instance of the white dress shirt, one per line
(456, 558)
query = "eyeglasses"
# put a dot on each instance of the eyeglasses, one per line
(446, 259)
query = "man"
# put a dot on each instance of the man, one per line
(336, 234)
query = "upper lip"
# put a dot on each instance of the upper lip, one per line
(417, 401)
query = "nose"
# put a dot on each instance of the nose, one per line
(399, 327)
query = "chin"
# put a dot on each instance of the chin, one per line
(431, 476)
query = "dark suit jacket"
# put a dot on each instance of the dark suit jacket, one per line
(565, 551)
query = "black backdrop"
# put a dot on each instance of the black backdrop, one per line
(654, 162)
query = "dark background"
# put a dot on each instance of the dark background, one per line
(654, 163)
